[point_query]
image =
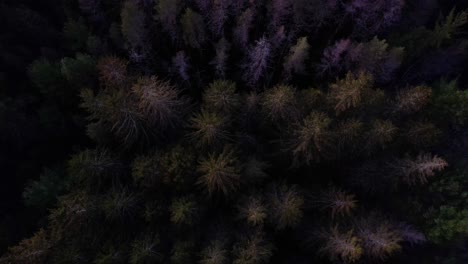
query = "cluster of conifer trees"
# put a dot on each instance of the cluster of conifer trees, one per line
(244, 132)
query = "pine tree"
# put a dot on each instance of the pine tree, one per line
(219, 15)
(374, 16)
(220, 173)
(133, 25)
(181, 65)
(119, 204)
(112, 71)
(379, 239)
(382, 133)
(280, 103)
(341, 246)
(258, 59)
(182, 252)
(349, 92)
(193, 29)
(298, 54)
(444, 30)
(286, 206)
(210, 129)
(420, 169)
(146, 171)
(220, 61)
(413, 99)
(215, 253)
(221, 96)
(338, 202)
(145, 250)
(253, 210)
(167, 12)
(184, 211)
(159, 102)
(34, 250)
(252, 250)
(313, 139)
(242, 30)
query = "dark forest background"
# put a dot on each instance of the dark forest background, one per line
(51, 51)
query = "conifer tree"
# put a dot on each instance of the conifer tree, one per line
(341, 246)
(112, 71)
(167, 13)
(220, 60)
(253, 249)
(242, 30)
(220, 173)
(295, 61)
(253, 211)
(159, 102)
(193, 29)
(210, 129)
(257, 62)
(134, 29)
(313, 139)
(280, 103)
(286, 205)
(184, 211)
(215, 253)
(420, 169)
(349, 92)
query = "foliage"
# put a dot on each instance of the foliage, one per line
(233, 131)
(158, 101)
(209, 128)
(343, 246)
(31, 250)
(419, 170)
(43, 193)
(112, 71)
(78, 71)
(351, 91)
(312, 139)
(295, 61)
(449, 104)
(215, 253)
(220, 173)
(183, 211)
(446, 219)
(193, 28)
(252, 250)
(286, 205)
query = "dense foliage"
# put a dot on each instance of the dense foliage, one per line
(222, 131)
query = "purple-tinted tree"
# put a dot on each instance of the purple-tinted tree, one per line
(219, 62)
(257, 62)
(333, 56)
(279, 10)
(219, 16)
(243, 27)
(374, 57)
(278, 38)
(181, 65)
(373, 16)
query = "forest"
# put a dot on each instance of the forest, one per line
(233, 131)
